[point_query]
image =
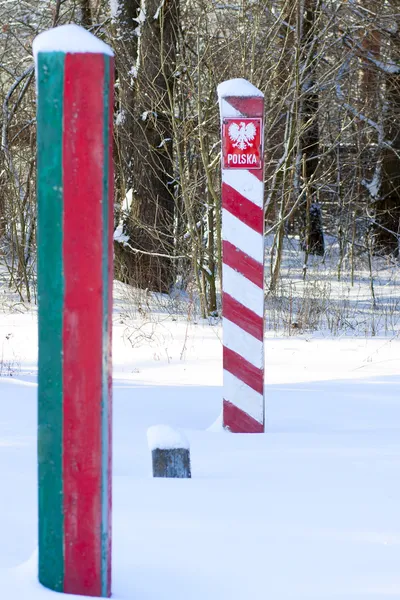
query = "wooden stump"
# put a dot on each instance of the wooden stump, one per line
(170, 452)
(174, 462)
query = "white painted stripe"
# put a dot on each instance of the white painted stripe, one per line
(227, 110)
(243, 290)
(242, 236)
(243, 396)
(246, 184)
(243, 343)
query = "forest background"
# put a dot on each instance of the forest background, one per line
(330, 74)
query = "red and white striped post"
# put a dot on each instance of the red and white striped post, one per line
(242, 120)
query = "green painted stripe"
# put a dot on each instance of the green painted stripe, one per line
(50, 76)
(105, 400)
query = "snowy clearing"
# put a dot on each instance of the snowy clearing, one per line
(308, 510)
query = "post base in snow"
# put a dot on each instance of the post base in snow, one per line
(237, 421)
(174, 462)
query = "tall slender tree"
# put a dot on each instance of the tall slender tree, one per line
(388, 208)
(308, 25)
(149, 226)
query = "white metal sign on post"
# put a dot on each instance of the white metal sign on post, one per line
(242, 119)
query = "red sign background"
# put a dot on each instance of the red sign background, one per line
(242, 143)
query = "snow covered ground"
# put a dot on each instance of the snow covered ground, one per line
(310, 510)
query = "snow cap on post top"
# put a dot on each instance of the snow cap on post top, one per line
(238, 88)
(164, 437)
(70, 39)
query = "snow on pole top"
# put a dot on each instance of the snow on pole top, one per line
(238, 87)
(163, 437)
(70, 39)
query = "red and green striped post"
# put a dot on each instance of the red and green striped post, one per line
(74, 72)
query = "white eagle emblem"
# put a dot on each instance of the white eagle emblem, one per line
(242, 134)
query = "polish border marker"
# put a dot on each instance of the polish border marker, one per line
(242, 118)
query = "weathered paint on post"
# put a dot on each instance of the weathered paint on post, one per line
(242, 118)
(74, 74)
(174, 462)
(170, 451)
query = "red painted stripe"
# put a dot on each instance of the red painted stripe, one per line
(259, 173)
(242, 316)
(237, 421)
(243, 209)
(243, 370)
(110, 306)
(243, 263)
(248, 106)
(83, 154)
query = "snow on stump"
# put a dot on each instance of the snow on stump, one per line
(74, 74)
(242, 124)
(170, 452)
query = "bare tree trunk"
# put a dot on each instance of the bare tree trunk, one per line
(125, 42)
(309, 138)
(388, 209)
(212, 299)
(150, 223)
(3, 219)
(370, 86)
(86, 13)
